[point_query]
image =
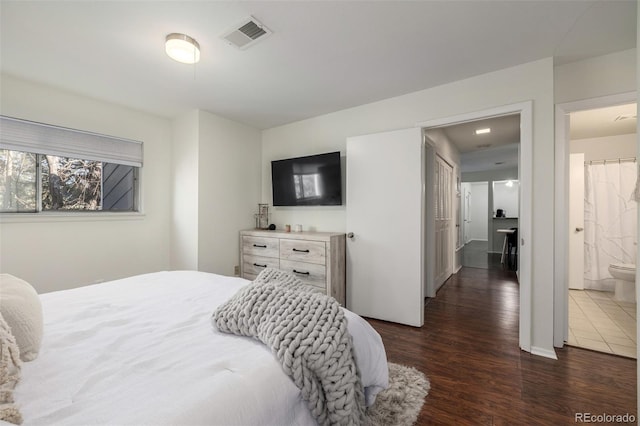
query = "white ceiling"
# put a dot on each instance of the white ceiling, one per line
(323, 56)
(503, 141)
(505, 130)
(597, 123)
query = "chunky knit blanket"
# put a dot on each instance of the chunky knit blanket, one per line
(307, 332)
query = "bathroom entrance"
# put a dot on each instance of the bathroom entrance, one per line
(603, 230)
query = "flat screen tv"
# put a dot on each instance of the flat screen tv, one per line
(315, 180)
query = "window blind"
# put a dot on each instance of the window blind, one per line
(29, 136)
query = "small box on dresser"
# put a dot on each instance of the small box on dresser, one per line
(317, 258)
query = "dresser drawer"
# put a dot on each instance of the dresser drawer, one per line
(253, 265)
(309, 273)
(249, 277)
(303, 251)
(261, 246)
(318, 258)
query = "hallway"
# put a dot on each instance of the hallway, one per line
(475, 255)
(468, 348)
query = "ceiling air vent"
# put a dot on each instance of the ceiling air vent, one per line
(246, 33)
(625, 117)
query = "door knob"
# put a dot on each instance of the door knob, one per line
(350, 235)
(579, 229)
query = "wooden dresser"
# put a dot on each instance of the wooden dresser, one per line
(317, 258)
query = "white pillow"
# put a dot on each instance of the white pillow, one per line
(20, 306)
(370, 356)
(9, 374)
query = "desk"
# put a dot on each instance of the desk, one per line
(505, 244)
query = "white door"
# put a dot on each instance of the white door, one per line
(467, 211)
(384, 199)
(576, 221)
(443, 218)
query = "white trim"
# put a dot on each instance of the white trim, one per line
(97, 216)
(544, 352)
(561, 219)
(525, 170)
(424, 266)
(428, 245)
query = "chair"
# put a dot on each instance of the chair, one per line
(512, 249)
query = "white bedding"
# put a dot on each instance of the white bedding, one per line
(141, 351)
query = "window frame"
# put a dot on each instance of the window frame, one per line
(39, 192)
(20, 135)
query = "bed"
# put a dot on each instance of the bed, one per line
(142, 351)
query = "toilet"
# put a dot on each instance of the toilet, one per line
(625, 276)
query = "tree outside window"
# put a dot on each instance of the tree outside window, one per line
(64, 183)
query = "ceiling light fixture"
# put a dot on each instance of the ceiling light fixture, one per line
(483, 131)
(182, 48)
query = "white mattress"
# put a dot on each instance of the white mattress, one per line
(142, 351)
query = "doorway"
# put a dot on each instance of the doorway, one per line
(406, 241)
(475, 206)
(524, 161)
(489, 191)
(602, 229)
(563, 302)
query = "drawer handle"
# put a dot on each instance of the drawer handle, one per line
(260, 246)
(259, 266)
(301, 273)
(301, 251)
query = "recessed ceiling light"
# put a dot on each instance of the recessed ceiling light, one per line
(483, 131)
(182, 48)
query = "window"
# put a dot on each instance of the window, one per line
(17, 181)
(307, 186)
(57, 169)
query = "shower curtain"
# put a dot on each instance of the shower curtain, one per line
(610, 228)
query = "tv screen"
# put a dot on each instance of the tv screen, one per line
(315, 180)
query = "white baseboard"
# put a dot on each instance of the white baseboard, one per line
(544, 352)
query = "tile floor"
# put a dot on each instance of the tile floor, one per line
(598, 322)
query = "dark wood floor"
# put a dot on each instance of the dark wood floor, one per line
(468, 348)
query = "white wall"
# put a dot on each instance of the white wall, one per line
(530, 81)
(185, 190)
(216, 190)
(595, 77)
(605, 148)
(229, 190)
(490, 176)
(445, 148)
(478, 227)
(637, 88)
(506, 198)
(55, 254)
